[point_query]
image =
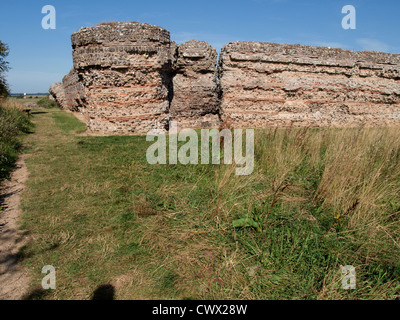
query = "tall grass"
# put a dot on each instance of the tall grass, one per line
(318, 199)
(336, 191)
(13, 123)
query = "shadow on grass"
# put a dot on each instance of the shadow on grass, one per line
(36, 294)
(104, 292)
(38, 112)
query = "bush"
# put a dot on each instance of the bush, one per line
(13, 123)
(47, 103)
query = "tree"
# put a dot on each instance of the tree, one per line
(3, 68)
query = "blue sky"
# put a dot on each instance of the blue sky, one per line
(40, 57)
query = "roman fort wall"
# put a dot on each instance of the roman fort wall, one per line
(265, 84)
(129, 78)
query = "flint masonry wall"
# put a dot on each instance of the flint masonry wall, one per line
(74, 91)
(129, 78)
(70, 94)
(57, 92)
(195, 102)
(125, 70)
(266, 84)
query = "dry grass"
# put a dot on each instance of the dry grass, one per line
(102, 216)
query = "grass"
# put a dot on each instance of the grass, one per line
(13, 123)
(21, 100)
(46, 103)
(318, 199)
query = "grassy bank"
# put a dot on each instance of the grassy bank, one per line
(14, 122)
(317, 200)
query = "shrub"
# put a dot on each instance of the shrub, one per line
(13, 123)
(47, 103)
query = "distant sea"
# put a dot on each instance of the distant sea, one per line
(30, 94)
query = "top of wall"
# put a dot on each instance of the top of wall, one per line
(309, 55)
(121, 33)
(196, 56)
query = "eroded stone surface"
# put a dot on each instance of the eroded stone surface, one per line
(125, 71)
(129, 78)
(266, 84)
(57, 92)
(73, 91)
(195, 101)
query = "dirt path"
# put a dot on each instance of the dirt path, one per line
(13, 278)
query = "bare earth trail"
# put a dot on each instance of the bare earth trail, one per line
(13, 277)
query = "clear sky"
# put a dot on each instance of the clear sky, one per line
(40, 57)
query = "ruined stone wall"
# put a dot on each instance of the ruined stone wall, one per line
(266, 84)
(129, 78)
(195, 101)
(73, 91)
(125, 70)
(69, 94)
(57, 92)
